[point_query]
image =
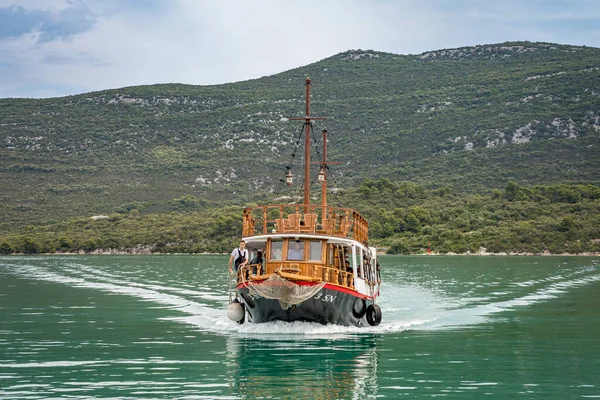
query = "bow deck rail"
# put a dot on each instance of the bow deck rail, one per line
(305, 218)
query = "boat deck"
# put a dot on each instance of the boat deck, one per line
(302, 218)
(299, 272)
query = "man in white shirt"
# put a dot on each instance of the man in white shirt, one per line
(239, 257)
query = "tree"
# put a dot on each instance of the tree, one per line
(30, 246)
(6, 248)
(567, 224)
(511, 191)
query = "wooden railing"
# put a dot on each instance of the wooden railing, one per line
(297, 271)
(303, 218)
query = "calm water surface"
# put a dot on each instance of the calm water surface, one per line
(155, 327)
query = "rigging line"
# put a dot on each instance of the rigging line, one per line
(317, 142)
(278, 188)
(282, 183)
(301, 128)
(315, 151)
(298, 189)
(330, 175)
(297, 144)
(299, 97)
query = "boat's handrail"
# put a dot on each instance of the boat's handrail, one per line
(303, 272)
(305, 218)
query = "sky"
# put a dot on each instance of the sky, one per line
(54, 48)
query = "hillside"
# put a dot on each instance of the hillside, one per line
(404, 217)
(470, 119)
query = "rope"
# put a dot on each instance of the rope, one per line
(282, 182)
(317, 141)
(230, 278)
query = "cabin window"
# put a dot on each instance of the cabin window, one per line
(357, 254)
(331, 259)
(367, 265)
(276, 250)
(295, 250)
(346, 254)
(315, 250)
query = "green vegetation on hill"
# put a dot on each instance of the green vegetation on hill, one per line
(405, 218)
(471, 119)
(462, 121)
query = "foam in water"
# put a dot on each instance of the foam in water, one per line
(404, 307)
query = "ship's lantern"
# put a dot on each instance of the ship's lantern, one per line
(321, 175)
(289, 178)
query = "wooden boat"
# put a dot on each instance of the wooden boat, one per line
(318, 265)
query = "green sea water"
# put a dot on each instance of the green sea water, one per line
(155, 327)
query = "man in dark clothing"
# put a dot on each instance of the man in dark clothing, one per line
(257, 263)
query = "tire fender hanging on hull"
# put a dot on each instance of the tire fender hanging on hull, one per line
(359, 308)
(373, 315)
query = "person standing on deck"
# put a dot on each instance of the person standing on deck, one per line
(257, 263)
(239, 257)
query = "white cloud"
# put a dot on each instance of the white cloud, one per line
(36, 4)
(209, 42)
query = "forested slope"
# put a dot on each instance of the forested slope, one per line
(469, 119)
(404, 218)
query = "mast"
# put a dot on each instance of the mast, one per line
(307, 128)
(324, 183)
(323, 172)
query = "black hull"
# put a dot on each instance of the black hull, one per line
(331, 305)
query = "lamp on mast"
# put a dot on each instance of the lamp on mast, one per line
(321, 175)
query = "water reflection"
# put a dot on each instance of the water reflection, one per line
(311, 369)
